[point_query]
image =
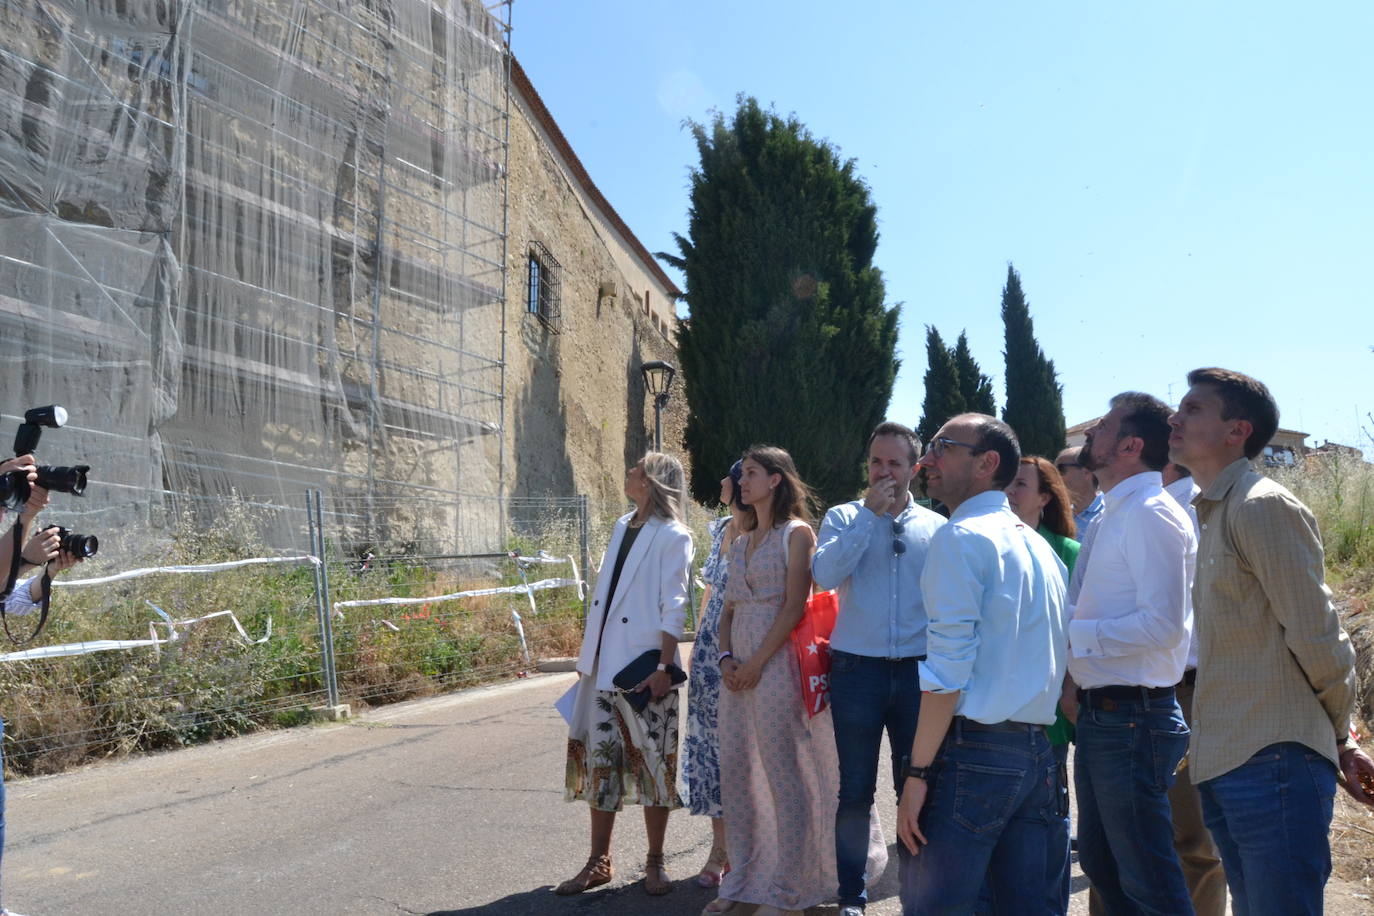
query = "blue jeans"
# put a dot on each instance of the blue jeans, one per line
(1128, 750)
(1270, 817)
(1058, 863)
(867, 695)
(990, 818)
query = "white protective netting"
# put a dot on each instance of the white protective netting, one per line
(256, 246)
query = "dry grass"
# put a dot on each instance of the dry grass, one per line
(63, 712)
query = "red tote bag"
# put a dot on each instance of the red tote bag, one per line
(811, 642)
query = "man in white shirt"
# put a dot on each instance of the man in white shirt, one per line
(980, 794)
(1128, 646)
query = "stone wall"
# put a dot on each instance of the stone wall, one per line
(577, 412)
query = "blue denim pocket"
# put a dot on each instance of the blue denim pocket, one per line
(1323, 773)
(1119, 720)
(984, 796)
(1166, 750)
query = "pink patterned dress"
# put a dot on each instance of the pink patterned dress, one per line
(779, 773)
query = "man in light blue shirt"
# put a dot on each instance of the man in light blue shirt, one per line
(980, 794)
(1087, 498)
(872, 551)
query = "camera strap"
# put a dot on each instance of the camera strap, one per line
(9, 588)
(15, 562)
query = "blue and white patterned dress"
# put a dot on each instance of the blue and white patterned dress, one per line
(701, 768)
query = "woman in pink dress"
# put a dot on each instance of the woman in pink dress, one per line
(779, 771)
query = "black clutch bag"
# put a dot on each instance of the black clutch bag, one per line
(636, 671)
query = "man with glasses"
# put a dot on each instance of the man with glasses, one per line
(980, 795)
(1128, 644)
(872, 551)
(1083, 491)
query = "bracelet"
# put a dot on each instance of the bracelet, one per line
(723, 656)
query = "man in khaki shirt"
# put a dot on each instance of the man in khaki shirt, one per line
(1276, 681)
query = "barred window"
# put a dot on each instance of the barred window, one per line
(543, 298)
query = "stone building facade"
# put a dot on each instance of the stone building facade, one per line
(577, 411)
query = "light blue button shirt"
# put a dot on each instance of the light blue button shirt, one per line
(994, 593)
(882, 614)
(1085, 518)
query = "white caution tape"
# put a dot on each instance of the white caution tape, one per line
(155, 642)
(78, 648)
(527, 589)
(521, 561)
(541, 585)
(205, 568)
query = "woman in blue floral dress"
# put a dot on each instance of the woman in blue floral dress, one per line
(701, 768)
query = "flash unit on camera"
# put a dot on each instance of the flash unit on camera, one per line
(53, 416)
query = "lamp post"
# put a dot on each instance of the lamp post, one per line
(658, 378)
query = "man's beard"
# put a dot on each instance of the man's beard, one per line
(1085, 456)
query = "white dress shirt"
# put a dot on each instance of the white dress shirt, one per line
(1133, 619)
(1185, 490)
(994, 596)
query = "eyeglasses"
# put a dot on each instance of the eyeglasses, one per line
(1061, 468)
(940, 443)
(898, 545)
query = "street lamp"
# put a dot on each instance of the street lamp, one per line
(658, 378)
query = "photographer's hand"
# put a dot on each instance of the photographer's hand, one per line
(38, 501)
(65, 560)
(43, 547)
(22, 463)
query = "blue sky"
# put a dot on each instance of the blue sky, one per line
(1178, 184)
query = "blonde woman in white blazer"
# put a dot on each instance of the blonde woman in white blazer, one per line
(617, 756)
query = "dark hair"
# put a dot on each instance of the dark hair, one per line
(1147, 418)
(996, 436)
(889, 428)
(1057, 514)
(791, 497)
(1243, 398)
(736, 472)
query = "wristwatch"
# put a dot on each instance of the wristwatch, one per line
(925, 773)
(661, 667)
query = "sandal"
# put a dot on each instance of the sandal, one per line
(656, 882)
(717, 866)
(719, 905)
(595, 873)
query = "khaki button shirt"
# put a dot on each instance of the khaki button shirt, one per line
(1274, 664)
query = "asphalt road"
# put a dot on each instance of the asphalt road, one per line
(447, 806)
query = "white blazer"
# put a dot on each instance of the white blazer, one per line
(650, 598)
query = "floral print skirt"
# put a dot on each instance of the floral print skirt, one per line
(619, 757)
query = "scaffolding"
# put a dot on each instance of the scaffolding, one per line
(258, 246)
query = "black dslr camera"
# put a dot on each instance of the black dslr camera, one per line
(78, 545)
(14, 486)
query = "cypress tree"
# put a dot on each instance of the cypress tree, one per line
(974, 386)
(943, 398)
(789, 341)
(1035, 399)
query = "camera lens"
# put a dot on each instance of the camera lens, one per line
(80, 545)
(63, 479)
